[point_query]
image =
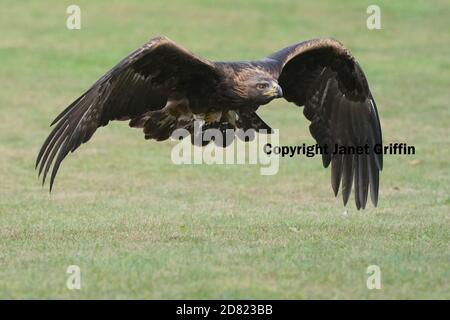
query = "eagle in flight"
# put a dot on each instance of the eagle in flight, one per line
(161, 87)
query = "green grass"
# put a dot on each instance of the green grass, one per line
(141, 227)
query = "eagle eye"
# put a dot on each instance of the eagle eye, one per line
(262, 86)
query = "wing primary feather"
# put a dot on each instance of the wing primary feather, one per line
(347, 177)
(374, 178)
(357, 182)
(48, 142)
(336, 172)
(67, 111)
(58, 132)
(63, 135)
(376, 127)
(364, 180)
(68, 145)
(55, 149)
(61, 155)
(57, 143)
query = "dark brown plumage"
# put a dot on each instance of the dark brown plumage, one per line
(161, 87)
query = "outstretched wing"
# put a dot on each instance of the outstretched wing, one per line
(141, 82)
(322, 75)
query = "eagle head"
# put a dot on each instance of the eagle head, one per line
(258, 88)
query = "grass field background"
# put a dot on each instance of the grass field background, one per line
(140, 227)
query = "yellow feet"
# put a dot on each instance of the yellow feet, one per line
(212, 117)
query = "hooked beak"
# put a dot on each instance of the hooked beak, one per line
(276, 91)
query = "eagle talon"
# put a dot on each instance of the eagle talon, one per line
(212, 117)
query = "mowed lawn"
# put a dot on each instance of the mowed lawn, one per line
(139, 226)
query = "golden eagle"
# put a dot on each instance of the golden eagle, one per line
(161, 87)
